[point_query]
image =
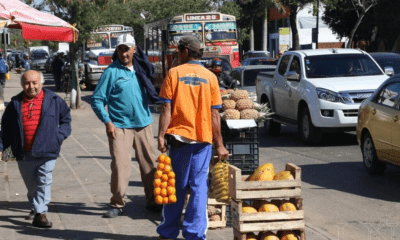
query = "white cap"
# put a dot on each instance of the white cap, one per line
(126, 39)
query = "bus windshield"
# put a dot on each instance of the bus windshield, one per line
(178, 31)
(98, 41)
(220, 31)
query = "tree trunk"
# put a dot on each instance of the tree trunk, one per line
(353, 31)
(293, 26)
(265, 31)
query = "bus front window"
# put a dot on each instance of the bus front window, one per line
(98, 41)
(220, 31)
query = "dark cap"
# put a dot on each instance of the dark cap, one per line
(191, 42)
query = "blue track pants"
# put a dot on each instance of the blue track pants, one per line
(190, 164)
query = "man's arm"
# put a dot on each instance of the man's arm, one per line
(65, 119)
(217, 137)
(164, 121)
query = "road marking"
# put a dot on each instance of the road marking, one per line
(98, 138)
(86, 191)
(94, 159)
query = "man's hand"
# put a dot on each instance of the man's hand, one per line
(222, 153)
(111, 130)
(1, 156)
(162, 146)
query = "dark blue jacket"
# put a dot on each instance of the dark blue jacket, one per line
(144, 71)
(54, 127)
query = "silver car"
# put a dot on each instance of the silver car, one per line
(38, 59)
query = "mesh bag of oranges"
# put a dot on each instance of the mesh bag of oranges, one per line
(164, 181)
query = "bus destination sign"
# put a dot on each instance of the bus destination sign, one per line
(202, 17)
(109, 28)
(184, 27)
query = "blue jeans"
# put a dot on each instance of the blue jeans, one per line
(37, 174)
(190, 164)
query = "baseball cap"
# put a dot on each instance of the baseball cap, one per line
(126, 39)
(191, 42)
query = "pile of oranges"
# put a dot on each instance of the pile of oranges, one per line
(164, 181)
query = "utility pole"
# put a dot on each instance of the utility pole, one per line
(317, 24)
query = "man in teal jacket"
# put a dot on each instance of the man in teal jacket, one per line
(128, 123)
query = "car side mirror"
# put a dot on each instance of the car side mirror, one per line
(292, 76)
(389, 71)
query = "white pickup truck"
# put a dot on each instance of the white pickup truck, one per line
(318, 90)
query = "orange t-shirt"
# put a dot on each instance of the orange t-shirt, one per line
(192, 91)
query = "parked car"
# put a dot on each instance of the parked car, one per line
(378, 127)
(48, 65)
(387, 60)
(38, 59)
(318, 90)
(260, 61)
(247, 76)
(254, 54)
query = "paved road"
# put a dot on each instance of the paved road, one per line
(341, 201)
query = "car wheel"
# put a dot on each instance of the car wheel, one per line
(308, 132)
(271, 127)
(370, 159)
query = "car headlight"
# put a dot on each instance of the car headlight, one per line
(330, 96)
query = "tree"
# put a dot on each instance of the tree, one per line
(360, 7)
(387, 22)
(234, 9)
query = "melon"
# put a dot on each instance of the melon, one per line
(267, 236)
(287, 206)
(264, 172)
(288, 235)
(283, 175)
(268, 207)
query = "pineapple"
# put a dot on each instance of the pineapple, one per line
(243, 104)
(228, 104)
(249, 114)
(226, 91)
(231, 114)
(239, 94)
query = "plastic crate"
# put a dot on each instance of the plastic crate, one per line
(249, 135)
(245, 156)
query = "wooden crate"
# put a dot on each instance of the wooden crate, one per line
(240, 189)
(268, 221)
(242, 236)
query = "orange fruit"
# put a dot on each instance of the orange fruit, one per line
(164, 185)
(164, 192)
(161, 158)
(160, 166)
(165, 200)
(157, 191)
(164, 177)
(167, 161)
(158, 174)
(171, 190)
(157, 182)
(171, 182)
(171, 175)
(159, 199)
(172, 199)
(167, 169)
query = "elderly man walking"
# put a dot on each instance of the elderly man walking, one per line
(34, 124)
(190, 119)
(128, 124)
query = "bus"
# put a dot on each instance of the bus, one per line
(99, 49)
(215, 30)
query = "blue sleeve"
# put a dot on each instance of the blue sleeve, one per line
(101, 95)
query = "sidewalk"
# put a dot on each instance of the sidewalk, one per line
(80, 190)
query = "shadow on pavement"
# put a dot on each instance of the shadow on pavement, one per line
(289, 137)
(350, 177)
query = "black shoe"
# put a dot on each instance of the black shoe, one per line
(154, 208)
(30, 215)
(113, 212)
(41, 221)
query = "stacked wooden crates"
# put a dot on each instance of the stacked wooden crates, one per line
(247, 191)
(243, 146)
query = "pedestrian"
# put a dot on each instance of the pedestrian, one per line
(3, 70)
(57, 66)
(190, 120)
(128, 123)
(25, 63)
(34, 124)
(17, 60)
